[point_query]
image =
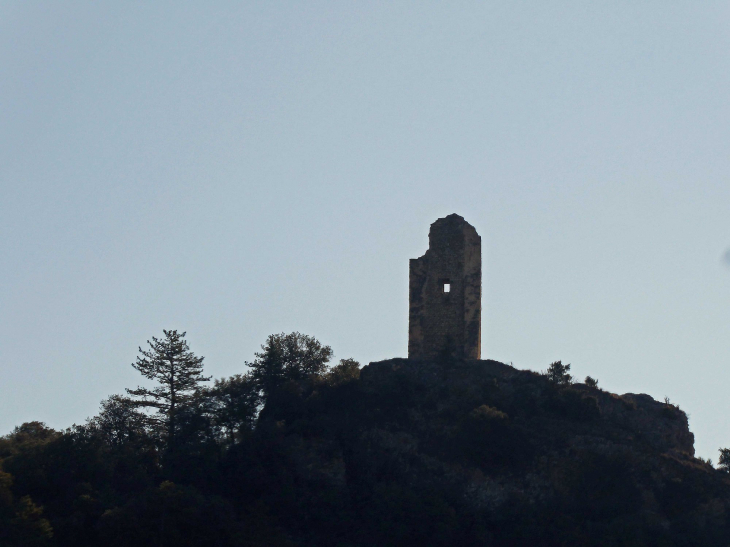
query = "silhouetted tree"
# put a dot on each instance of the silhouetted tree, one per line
(119, 421)
(345, 371)
(288, 358)
(724, 461)
(179, 374)
(591, 382)
(557, 373)
(233, 404)
(26, 436)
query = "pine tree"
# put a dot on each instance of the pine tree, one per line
(557, 373)
(179, 373)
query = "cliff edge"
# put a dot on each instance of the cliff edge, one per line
(480, 453)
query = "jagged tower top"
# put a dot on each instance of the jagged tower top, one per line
(446, 293)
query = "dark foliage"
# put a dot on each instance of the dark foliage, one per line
(400, 453)
(21, 520)
(557, 373)
(591, 382)
(173, 515)
(288, 359)
(724, 461)
(178, 373)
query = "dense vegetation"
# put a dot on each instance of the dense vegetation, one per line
(401, 453)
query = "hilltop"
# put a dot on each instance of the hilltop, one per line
(480, 453)
(401, 452)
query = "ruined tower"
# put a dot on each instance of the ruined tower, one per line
(446, 293)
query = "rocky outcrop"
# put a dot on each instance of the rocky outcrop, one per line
(501, 456)
(629, 418)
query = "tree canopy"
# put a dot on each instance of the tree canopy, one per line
(178, 373)
(299, 452)
(557, 373)
(288, 358)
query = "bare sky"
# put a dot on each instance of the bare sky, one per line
(239, 169)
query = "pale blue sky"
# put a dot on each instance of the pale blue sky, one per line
(236, 170)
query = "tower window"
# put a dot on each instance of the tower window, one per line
(445, 284)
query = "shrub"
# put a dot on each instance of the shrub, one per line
(346, 371)
(485, 412)
(591, 382)
(723, 463)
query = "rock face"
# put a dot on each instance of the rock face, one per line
(471, 452)
(446, 293)
(630, 419)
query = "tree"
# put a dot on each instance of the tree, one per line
(119, 421)
(345, 371)
(21, 521)
(288, 358)
(591, 382)
(724, 462)
(25, 436)
(234, 404)
(557, 373)
(179, 373)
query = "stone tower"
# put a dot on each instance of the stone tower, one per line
(446, 293)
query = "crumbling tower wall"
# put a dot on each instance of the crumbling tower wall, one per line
(445, 293)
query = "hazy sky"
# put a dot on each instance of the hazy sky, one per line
(240, 169)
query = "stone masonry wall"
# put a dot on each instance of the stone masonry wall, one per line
(447, 323)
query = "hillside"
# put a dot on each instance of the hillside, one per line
(410, 453)
(477, 452)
